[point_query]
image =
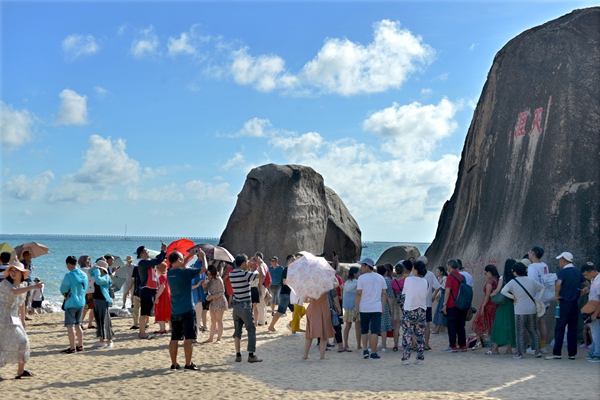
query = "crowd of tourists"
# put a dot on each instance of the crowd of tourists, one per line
(404, 303)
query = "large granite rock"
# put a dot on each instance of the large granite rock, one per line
(283, 209)
(530, 167)
(397, 253)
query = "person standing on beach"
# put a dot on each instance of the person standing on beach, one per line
(464, 273)
(276, 271)
(149, 285)
(127, 286)
(536, 270)
(568, 290)
(433, 284)
(296, 301)
(416, 289)
(242, 306)
(455, 317)
(26, 261)
(183, 316)
(284, 299)
(102, 303)
(370, 299)
(4, 260)
(85, 264)
(74, 284)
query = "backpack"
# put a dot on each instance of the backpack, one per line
(549, 282)
(465, 294)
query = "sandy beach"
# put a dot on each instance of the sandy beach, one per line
(140, 369)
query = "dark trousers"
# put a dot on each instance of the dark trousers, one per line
(569, 315)
(243, 316)
(456, 326)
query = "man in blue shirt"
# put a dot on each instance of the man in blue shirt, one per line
(568, 291)
(183, 317)
(276, 270)
(74, 285)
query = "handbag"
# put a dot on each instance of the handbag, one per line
(540, 308)
(335, 320)
(499, 299)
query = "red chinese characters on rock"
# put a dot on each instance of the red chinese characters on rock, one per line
(536, 125)
(520, 126)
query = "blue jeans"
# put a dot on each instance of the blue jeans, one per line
(595, 329)
(569, 316)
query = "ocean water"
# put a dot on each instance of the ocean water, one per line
(51, 269)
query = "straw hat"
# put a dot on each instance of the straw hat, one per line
(18, 266)
(128, 258)
(100, 264)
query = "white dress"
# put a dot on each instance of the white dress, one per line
(14, 345)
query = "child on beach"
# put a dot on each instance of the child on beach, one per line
(37, 297)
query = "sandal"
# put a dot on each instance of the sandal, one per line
(148, 337)
(69, 351)
(395, 348)
(491, 353)
(25, 374)
(79, 349)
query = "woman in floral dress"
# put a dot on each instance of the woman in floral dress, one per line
(14, 344)
(218, 303)
(484, 319)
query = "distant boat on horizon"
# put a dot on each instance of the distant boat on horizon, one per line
(125, 237)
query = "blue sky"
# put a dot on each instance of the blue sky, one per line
(150, 114)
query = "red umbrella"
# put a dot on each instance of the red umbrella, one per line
(215, 252)
(181, 245)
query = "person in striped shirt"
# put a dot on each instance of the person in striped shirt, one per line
(242, 314)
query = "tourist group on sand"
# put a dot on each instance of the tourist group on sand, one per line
(403, 303)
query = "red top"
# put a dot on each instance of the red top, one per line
(152, 281)
(339, 288)
(453, 285)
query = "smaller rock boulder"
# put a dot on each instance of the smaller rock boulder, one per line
(397, 253)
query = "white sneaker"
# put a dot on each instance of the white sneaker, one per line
(98, 345)
(110, 345)
(530, 351)
(405, 362)
(419, 362)
(384, 350)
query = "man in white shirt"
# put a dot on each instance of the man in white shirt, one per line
(461, 270)
(534, 271)
(370, 297)
(433, 284)
(590, 273)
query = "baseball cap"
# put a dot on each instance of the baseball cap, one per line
(566, 255)
(367, 261)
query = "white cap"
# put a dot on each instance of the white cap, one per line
(566, 255)
(367, 261)
(423, 259)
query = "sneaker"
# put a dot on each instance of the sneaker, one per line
(450, 350)
(238, 359)
(384, 350)
(463, 348)
(594, 359)
(366, 354)
(419, 362)
(192, 367)
(530, 352)
(99, 345)
(405, 362)
(175, 367)
(553, 357)
(583, 346)
(134, 328)
(571, 357)
(110, 345)
(375, 356)
(544, 350)
(538, 354)
(517, 356)
(254, 359)
(294, 334)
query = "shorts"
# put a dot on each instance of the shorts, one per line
(183, 326)
(206, 305)
(36, 304)
(370, 320)
(146, 301)
(349, 316)
(284, 303)
(89, 301)
(428, 315)
(73, 316)
(274, 289)
(254, 295)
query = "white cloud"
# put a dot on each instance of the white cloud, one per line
(73, 108)
(426, 92)
(201, 191)
(15, 126)
(197, 190)
(441, 77)
(162, 213)
(76, 46)
(256, 127)
(414, 127)
(296, 146)
(341, 66)
(146, 44)
(105, 165)
(181, 45)
(21, 187)
(349, 68)
(473, 46)
(121, 30)
(265, 73)
(100, 91)
(237, 159)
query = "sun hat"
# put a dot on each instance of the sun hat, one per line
(19, 267)
(128, 258)
(367, 261)
(101, 264)
(566, 255)
(526, 262)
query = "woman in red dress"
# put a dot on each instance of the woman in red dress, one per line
(162, 304)
(484, 319)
